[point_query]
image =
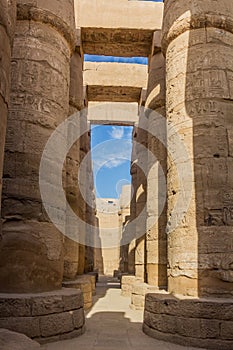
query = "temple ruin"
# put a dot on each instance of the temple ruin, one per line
(174, 225)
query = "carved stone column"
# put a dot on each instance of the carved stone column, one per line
(7, 27)
(73, 195)
(156, 237)
(199, 109)
(31, 258)
(84, 148)
(141, 198)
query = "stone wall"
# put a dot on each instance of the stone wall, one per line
(107, 214)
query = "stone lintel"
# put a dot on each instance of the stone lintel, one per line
(114, 82)
(117, 42)
(119, 14)
(113, 113)
(118, 27)
(113, 93)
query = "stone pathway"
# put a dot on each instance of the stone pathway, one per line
(112, 325)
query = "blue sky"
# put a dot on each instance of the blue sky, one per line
(111, 155)
(138, 60)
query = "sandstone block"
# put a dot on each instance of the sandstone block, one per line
(10, 306)
(56, 324)
(227, 330)
(72, 300)
(78, 318)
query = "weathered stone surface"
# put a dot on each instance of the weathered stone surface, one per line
(127, 283)
(11, 340)
(197, 40)
(141, 196)
(200, 322)
(92, 279)
(83, 283)
(114, 82)
(56, 324)
(108, 29)
(7, 26)
(45, 314)
(198, 90)
(73, 159)
(139, 291)
(40, 304)
(78, 318)
(115, 112)
(107, 214)
(156, 237)
(31, 248)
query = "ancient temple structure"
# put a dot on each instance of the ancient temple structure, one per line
(176, 237)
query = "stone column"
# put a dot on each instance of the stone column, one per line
(7, 27)
(132, 244)
(84, 147)
(124, 217)
(90, 212)
(199, 108)
(156, 237)
(31, 258)
(73, 195)
(141, 198)
(98, 257)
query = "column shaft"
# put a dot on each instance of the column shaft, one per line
(198, 42)
(73, 195)
(7, 27)
(31, 247)
(156, 237)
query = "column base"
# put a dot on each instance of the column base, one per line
(206, 323)
(85, 284)
(139, 291)
(44, 317)
(127, 283)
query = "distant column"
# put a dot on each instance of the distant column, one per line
(90, 212)
(73, 195)
(156, 237)
(141, 198)
(132, 244)
(84, 148)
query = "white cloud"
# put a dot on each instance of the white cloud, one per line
(114, 163)
(117, 132)
(111, 154)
